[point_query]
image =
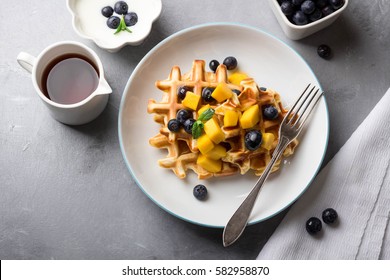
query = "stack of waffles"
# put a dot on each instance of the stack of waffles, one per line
(182, 149)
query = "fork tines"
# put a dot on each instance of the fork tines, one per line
(298, 113)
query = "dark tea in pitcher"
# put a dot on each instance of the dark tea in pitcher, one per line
(70, 79)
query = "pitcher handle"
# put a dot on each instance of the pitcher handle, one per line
(26, 60)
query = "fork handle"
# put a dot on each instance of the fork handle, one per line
(237, 223)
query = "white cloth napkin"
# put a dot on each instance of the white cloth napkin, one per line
(356, 183)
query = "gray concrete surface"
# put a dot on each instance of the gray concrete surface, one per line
(65, 192)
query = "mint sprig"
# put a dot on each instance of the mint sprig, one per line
(197, 127)
(122, 26)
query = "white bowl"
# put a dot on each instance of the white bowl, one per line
(296, 32)
(89, 23)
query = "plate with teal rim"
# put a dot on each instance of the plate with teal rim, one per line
(272, 63)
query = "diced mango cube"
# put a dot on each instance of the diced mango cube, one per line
(250, 117)
(214, 131)
(205, 144)
(217, 152)
(204, 108)
(191, 100)
(222, 92)
(209, 164)
(268, 140)
(236, 78)
(230, 118)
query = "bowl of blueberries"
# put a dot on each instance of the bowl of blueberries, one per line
(301, 18)
(114, 24)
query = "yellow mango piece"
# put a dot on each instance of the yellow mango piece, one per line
(217, 152)
(214, 131)
(209, 164)
(236, 78)
(222, 92)
(205, 144)
(191, 100)
(268, 140)
(204, 108)
(230, 118)
(250, 117)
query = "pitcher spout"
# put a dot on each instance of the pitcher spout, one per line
(103, 87)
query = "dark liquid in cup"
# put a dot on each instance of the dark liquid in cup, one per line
(69, 79)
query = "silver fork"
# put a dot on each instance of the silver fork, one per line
(290, 127)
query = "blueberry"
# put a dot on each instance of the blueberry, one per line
(213, 65)
(262, 88)
(313, 225)
(270, 112)
(327, 11)
(182, 91)
(297, 2)
(121, 7)
(206, 95)
(107, 11)
(329, 216)
(321, 3)
(236, 91)
(324, 51)
(113, 22)
(287, 8)
(182, 115)
(174, 125)
(316, 15)
(308, 7)
(188, 125)
(230, 62)
(299, 18)
(336, 4)
(200, 192)
(131, 19)
(253, 139)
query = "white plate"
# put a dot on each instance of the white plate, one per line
(273, 64)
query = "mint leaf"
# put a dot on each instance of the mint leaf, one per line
(206, 115)
(197, 128)
(122, 26)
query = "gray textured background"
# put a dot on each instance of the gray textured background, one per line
(65, 192)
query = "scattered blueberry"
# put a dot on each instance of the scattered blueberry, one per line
(270, 112)
(188, 125)
(327, 11)
(336, 4)
(299, 18)
(131, 19)
(107, 11)
(263, 88)
(121, 7)
(174, 125)
(308, 7)
(316, 15)
(200, 192)
(236, 91)
(182, 115)
(230, 62)
(206, 94)
(213, 65)
(182, 92)
(113, 22)
(313, 225)
(287, 8)
(324, 51)
(253, 139)
(329, 216)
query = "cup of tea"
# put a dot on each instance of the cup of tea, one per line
(69, 78)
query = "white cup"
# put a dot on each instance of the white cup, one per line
(78, 113)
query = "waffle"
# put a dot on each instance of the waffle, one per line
(182, 149)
